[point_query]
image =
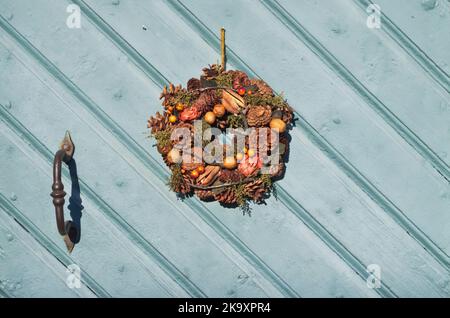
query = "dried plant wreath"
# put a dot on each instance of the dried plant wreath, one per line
(221, 100)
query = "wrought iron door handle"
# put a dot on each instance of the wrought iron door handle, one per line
(66, 229)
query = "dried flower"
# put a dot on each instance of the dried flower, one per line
(190, 113)
(250, 165)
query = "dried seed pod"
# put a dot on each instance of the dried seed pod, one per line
(209, 176)
(232, 101)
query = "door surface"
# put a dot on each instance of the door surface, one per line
(366, 195)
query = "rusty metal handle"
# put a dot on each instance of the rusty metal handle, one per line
(65, 154)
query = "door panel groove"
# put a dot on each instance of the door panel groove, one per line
(412, 49)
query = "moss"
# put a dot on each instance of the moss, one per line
(183, 97)
(163, 138)
(266, 180)
(277, 102)
(236, 121)
(242, 198)
(224, 79)
(268, 183)
(176, 179)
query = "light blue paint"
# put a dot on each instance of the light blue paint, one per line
(367, 179)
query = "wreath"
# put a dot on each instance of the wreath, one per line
(251, 159)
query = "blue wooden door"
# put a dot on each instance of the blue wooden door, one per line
(363, 210)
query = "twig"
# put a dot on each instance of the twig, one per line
(217, 186)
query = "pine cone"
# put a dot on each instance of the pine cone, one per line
(228, 196)
(158, 123)
(276, 170)
(184, 187)
(259, 115)
(255, 190)
(204, 194)
(206, 101)
(193, 84)
(227, 176)
(287, 116)
(240, 79)
(263, 88)
(211, 71)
